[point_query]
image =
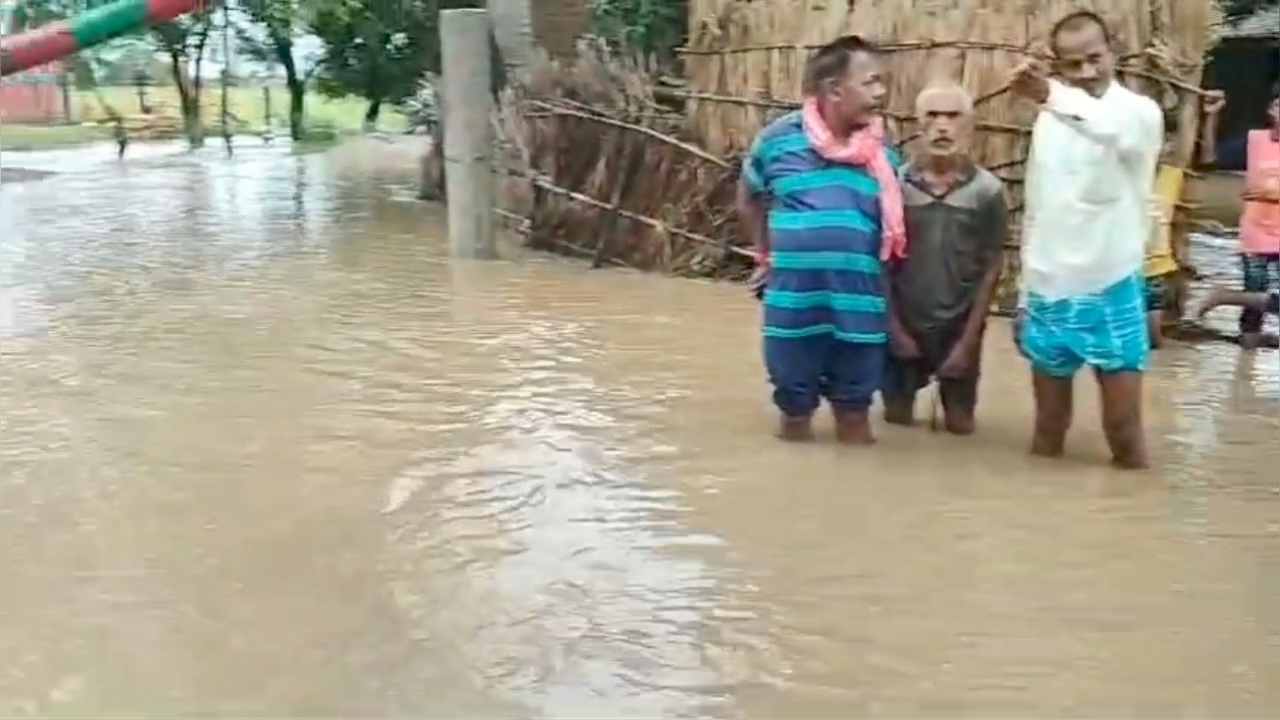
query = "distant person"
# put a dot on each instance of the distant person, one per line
(819, 199)
(1164, 262)
(122, 138)
(1258, 155)
(941, 293)
(1094, 150)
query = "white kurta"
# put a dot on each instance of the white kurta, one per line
(1089, 183)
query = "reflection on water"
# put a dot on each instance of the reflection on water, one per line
(265, 451)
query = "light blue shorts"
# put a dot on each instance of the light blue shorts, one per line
(1106, 330)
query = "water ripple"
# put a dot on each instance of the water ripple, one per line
(264, 449)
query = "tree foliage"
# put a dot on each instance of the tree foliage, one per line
(379, 49)
(652, 28)
(373, 49)
(281, 23)
(184, 41)
(376, 49)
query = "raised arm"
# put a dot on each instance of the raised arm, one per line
(1131, 129)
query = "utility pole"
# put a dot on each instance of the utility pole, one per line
(468, 136)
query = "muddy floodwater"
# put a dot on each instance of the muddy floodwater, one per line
(265, 451)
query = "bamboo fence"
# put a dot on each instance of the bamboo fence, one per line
(599, 167)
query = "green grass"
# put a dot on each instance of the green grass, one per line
(329, 118)
(49, 137)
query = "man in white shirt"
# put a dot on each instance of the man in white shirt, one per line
(1090, 176)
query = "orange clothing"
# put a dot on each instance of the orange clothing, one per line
(1260, 223)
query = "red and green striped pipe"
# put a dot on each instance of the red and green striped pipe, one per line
(55, 40)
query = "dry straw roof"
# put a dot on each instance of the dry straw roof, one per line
(749, 54)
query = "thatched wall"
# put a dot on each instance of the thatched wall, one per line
(756, 51)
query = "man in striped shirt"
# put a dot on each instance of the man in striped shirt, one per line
(815, 218)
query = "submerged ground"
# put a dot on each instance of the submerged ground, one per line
(265, 450)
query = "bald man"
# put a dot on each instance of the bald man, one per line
(957, 226)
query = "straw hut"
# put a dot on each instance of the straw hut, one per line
(745, 62)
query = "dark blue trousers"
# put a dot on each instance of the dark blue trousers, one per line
(805, 370)
(1258, 270)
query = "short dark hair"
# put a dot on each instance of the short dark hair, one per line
(832, 61)
(1075, 20)
(1172, 121)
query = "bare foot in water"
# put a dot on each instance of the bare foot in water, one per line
(1045, 446)
(900, 412)
(959, 424)
(795, 429)
(854, 428)
(1130, 462)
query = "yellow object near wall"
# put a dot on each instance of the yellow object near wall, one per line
(1168, 189)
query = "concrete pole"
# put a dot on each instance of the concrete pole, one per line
(468, 137)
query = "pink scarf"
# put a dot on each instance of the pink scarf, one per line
(865, 148)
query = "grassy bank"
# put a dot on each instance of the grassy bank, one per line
(328, 117)
(49, 137)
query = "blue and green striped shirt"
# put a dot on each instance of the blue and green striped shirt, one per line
(824, 231)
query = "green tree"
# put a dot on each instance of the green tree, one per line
(125, 61)
(184, 41)
(282, 21)
(376, 50)
(652, 28)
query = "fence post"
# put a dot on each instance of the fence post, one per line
(468, 136)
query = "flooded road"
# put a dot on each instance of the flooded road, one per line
(265, 451)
